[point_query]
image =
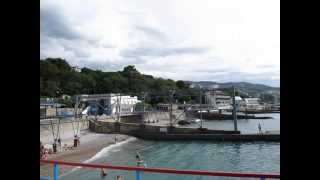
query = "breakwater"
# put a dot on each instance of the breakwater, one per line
(133, 129)
(224, 116)
(212, 137)
(174, 133)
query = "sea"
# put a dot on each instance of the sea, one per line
(199, 155)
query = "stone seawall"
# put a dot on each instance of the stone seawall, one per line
(132, 128)
(176, 133)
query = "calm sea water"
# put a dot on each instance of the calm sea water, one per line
(202, 155)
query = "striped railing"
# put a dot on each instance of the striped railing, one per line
(138, 170)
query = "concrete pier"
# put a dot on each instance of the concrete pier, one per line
(211, 137)
(174, 133)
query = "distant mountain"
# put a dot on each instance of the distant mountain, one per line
(250, 88)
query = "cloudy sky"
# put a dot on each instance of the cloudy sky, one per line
(213, 40)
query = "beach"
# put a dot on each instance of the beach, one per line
(90, 145)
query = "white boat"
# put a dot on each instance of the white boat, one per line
(195, 121)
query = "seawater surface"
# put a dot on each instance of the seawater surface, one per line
(200, 155)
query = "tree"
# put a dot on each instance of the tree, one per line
(181, 85)
(57, 75)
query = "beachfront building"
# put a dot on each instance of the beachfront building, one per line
(166, 107)
(218, 99)
(252, 103)
(111, 103)
(48, 107)
(223, 102)
(209, 98)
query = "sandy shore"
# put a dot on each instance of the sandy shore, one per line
(91, 144)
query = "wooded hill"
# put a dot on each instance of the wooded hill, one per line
(57, 77)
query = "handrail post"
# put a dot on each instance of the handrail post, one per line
(138, 177)
(55, 171)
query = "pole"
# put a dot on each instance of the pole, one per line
(144, 101)
(55, 171)
(56, 109)
(234, 109)
(214, 99)
(45, 113)
(170, 110)
(171, 99)
(138, 177)
(119, 107)
(200, 107)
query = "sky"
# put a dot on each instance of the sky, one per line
(196, 40)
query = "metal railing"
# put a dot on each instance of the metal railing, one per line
(139, 169)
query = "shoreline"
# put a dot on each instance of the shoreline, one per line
(91, 145)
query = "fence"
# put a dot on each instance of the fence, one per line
(138, 170)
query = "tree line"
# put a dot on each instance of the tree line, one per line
(57, 78)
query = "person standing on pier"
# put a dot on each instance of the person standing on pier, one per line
(115, 139)
(259, 127)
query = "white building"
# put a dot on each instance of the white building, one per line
(112, 102)
(127, 103)
(252, 103)
(223, 101)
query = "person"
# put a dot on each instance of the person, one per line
(75, 141)
(59, 142)
(54, 147)
(45, 154)
(41, 150)
(139, 160)
(103, 173)
(259, 127)
(115, 139)
(78, 140)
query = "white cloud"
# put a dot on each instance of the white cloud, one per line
(214, 40)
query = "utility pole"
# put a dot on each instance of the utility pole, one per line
(76, 107)
(119, 107)
(144, 94)
(200, 105)
(214, 99)
(144, 108)
(171, 98)
(234, 109)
